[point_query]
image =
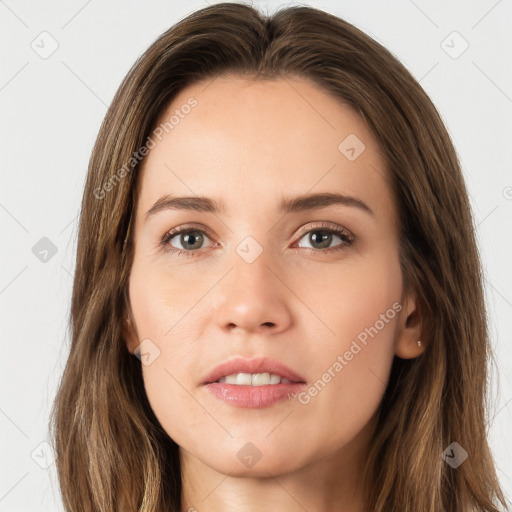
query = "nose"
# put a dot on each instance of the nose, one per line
(254, 297)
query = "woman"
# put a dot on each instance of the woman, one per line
(270, 307)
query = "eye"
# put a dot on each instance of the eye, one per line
(190, 239)
(321, 236)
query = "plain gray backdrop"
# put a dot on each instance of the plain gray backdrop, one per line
(61, 63)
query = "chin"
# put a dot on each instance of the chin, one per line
(263, 468)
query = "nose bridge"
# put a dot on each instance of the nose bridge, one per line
(250, 261)
(251, 295)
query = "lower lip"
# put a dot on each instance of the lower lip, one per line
(255, 397)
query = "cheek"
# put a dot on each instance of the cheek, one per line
(170, 330)
(360, 306)
(351, 297)
(159, 301)
(350, 376)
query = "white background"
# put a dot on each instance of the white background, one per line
(50, 113)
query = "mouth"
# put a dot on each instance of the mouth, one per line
(253, 372)
(253, 383)
(255, 379)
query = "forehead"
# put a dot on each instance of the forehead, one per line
(244, 139)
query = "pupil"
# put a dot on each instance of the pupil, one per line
(324, 239)
(188, 237)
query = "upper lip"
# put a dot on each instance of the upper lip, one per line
(257, 365)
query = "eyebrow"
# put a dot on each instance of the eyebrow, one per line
(288, 205)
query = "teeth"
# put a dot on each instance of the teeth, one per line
(243, 379)
(275, 379)
(255, 379)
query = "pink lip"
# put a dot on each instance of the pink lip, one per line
(258, 365)
(253, 396)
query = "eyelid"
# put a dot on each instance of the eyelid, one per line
(184, 228)
(328, 226)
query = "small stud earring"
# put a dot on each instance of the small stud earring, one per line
(419, 343)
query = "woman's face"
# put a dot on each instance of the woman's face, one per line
(276, 272)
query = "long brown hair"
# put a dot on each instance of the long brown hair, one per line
(112, 453)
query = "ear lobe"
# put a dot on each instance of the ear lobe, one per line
(130, 335)
(409, 331)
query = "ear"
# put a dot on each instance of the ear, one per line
(409, 330)
(130, 334)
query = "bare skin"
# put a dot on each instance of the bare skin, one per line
(251, 144)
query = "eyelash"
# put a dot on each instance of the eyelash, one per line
(346, 237)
